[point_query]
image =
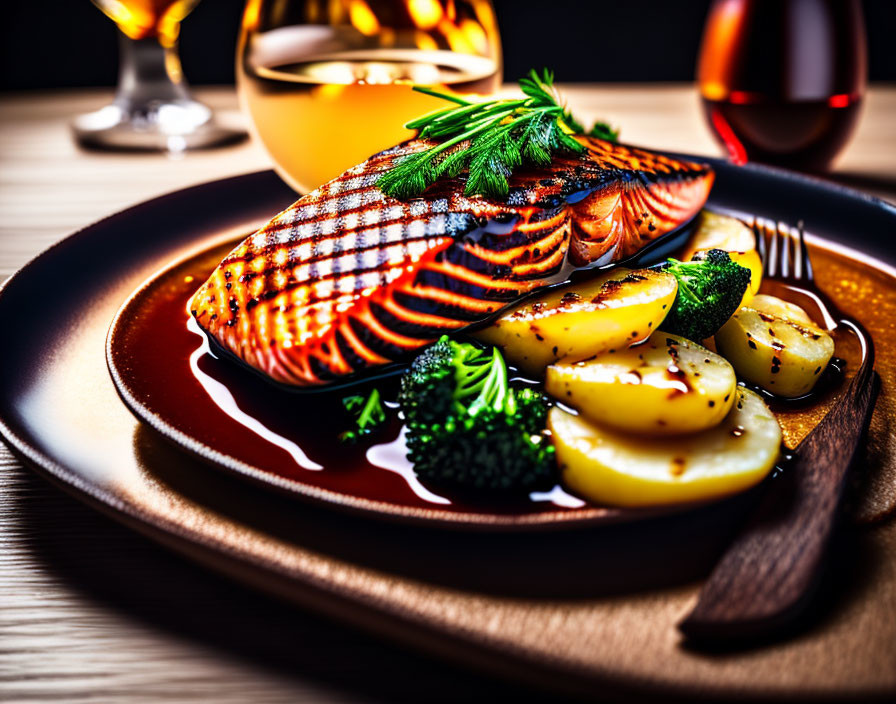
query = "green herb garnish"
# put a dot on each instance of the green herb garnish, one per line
(369, 415)
(490, 139)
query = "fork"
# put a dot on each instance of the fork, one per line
(766, 577)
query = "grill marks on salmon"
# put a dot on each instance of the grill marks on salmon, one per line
(348, 278)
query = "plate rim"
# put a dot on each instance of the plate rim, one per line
(21, 447)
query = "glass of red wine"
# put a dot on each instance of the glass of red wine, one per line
(782, 80)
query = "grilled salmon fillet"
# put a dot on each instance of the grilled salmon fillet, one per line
(348, 278)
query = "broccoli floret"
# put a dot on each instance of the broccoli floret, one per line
(467, 427)
(369, 415)
(710, 287)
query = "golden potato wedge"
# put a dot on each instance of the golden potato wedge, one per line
(666, 385)
(775, 345)
(622, 469)
(717, 231)
(610, 312)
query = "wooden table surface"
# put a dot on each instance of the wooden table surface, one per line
(90, 611)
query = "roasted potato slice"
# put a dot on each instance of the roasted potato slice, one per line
(610, 312)
(717, 231)
(775, 345)
(666, 385)
(622, 469)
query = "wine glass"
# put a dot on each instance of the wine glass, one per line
(327, 83)
(782, 80)
(153, 109)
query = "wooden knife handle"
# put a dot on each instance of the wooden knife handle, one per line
(763, 580)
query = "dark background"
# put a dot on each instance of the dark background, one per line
(68, 43)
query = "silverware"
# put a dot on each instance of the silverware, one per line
(766, 577)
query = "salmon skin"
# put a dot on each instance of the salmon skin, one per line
(348, 278)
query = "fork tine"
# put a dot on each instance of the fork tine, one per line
(805, 262)
(785, 243)
(796, 236)
(771, 267)
(759, 236)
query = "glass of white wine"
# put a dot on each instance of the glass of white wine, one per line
(153, 108)
(327, 83)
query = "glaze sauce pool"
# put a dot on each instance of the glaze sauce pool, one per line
(292, 435)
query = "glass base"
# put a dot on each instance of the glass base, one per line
(172, 126)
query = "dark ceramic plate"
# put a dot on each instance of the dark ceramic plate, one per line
(232, 418)
(590, 610)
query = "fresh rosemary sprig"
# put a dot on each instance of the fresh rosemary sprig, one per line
(490, 139)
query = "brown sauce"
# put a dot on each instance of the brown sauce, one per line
(155, 354)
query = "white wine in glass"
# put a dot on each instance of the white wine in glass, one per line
(327, 83)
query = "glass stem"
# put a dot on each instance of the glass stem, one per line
(149, 74)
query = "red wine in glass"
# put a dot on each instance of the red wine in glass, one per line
(782, 80)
